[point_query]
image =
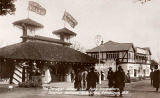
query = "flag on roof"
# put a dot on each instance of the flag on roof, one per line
(36, 7)
(67, 17)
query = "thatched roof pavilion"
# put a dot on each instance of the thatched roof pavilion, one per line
(37, 50)
(42, 54)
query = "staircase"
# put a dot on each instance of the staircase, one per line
(17, 76)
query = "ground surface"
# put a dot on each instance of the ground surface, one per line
(140, 89)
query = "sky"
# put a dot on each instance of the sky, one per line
(124, 21)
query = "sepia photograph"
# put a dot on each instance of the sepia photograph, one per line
(79, 48)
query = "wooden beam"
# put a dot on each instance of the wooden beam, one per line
(124, 55)
(127, 56)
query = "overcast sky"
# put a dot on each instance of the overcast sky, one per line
(125, 21)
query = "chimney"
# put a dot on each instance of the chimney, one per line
(62, 37)
(102, 42)
(24, 28)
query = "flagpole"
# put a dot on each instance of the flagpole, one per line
(28, 14)
(64, 24)
(28, 10)
(63, 20)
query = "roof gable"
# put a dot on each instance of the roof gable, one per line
(143, 50)
(28, 21)
(64, 31)
(112, 46)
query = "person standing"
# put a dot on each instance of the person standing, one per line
(151, 77)
(128, 77)
(102, 75)
(110, 77)
(92, 78)
(72, 76)
(120, 79)
(84, 79)
(156, 78)
(78, 80)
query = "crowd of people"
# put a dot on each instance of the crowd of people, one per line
(86, 79)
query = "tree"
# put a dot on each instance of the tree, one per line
(7, 7)
(77, 46)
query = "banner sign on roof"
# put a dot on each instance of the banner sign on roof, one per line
(36, 7)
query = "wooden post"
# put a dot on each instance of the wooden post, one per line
(23, 74)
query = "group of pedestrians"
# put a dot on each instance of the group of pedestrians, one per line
(116, 79)
(155, 78)
(86, 79)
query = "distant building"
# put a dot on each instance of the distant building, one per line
(136, 60)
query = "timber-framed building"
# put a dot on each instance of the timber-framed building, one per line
(136, 60)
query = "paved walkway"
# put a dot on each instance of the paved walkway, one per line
(140, 88)
(67, 88)
(104, 84)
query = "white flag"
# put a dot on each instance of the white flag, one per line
(69, 19)
(37, 8)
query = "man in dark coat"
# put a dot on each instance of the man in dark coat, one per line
(151, 77)
(110, 77)
(92, 78)
(120, 79)
(156, 78)
(78, 80)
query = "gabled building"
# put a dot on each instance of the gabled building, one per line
(133, 59)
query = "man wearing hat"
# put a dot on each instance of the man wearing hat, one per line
(151, 77)
(156, 78)
(78, 79)
(120, 79)
(110, 77)
(92, 78)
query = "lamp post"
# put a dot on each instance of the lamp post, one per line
(98, 40)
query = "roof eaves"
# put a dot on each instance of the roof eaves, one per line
(46, 39)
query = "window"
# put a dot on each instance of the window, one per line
(112, 55)
(109, 56)
(89, 54)
(129, 56)
(104, 56)
(147, 72)
(120, 55)
(101, 55)
(96, 56)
